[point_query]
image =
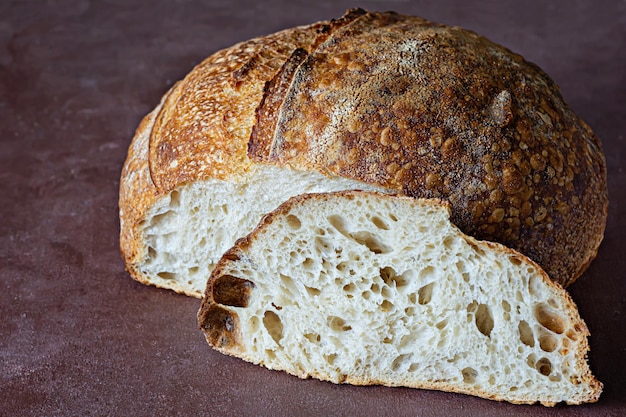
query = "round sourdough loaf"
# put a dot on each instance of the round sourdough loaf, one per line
(390, 102)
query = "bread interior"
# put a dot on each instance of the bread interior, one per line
(187, 231)
(369, 291)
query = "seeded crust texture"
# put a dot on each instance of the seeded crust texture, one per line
(386, 101)
(368, 288)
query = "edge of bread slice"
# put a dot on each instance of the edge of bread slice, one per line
(367, 288)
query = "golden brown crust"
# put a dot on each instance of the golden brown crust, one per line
(137, 193)
(435, 111)
(204, 126)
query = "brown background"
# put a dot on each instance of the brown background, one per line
(79, 337)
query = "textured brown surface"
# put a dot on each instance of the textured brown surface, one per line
(79, 337)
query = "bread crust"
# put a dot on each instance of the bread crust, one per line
(229, 340)
(420, 108)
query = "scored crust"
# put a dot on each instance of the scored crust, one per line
(201, 128)
(395, 101)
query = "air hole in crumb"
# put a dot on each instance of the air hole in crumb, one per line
(371, 241)
(507, 310)
(175, 198)
(232, 291)
(443, 323)
(426, 272)
(448, 242)
(308, 264)
(547, 342)
(380, 223)
(565, 342)
(412, 298)
(312, 291)
(553, 303)
(571, 333)
(526, 334)
(288, 284)
(549, 319)
(167, 275)
(393, 217)
(425, 294)
(484, 320)
(386, 305)
(534, 285)
(339, 223)
(323, 245)
(274, 325)
(469, 375)
(555, 378)
(159, 219)
(349, 287)
(312, 337)
(293, 222)
(338, 324)
(544, 366)
(515, 260)
(254, 323)
(413, 367)
(391, 278)
(330, 359)
(400, 362)
(386, 292)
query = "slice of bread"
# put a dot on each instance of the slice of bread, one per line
(367, 288)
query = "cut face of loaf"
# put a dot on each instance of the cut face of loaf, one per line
(366, 288)
(187, 232)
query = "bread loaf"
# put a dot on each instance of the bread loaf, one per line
(367, 288)
(373, 101)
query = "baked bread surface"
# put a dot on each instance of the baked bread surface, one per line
(388, 101)
(367, 288)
